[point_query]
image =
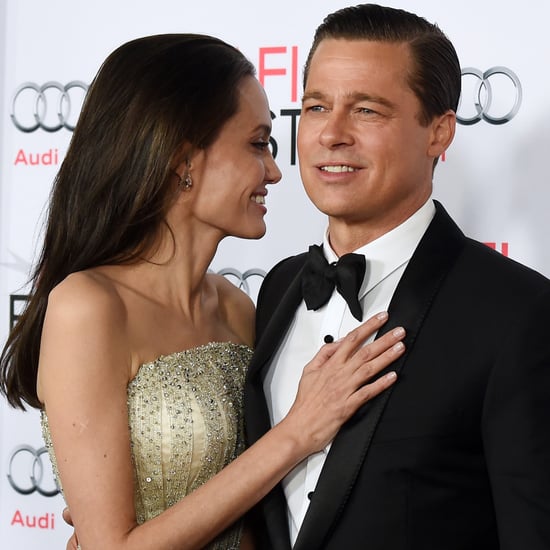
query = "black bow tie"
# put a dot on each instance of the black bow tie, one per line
(319, 279)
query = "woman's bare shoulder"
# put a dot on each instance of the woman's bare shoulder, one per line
(87, 294)
(84, 334)
(236, 307)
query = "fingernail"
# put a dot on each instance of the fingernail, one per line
(398, 347)
(382, 315)
(391, 375)
(399, 331)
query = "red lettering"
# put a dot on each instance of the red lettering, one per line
(30, 521)
(21, 158)
(49, 158)
(294, 84)
(264, 71)
(17, 519)
(47, 521)
(503, 247)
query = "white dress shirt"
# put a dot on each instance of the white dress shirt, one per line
(386, 259)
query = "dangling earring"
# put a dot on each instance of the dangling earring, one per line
(185, 182)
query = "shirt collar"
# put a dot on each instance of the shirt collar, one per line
(390, 251)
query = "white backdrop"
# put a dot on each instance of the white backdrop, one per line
(493, 180)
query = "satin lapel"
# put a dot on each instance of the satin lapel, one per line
(277, 326)
(273, 506)
(409, 306)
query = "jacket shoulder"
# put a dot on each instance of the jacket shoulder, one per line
(494, 265)
(274, 286)
(286, 269)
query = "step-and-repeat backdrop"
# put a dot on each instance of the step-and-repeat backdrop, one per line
(494, 178)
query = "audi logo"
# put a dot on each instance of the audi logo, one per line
(241, 279)
(51, 106)
(27, 469)
(493, 96)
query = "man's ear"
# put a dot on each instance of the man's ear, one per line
(443, 132)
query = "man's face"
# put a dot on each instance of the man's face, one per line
(365, 159)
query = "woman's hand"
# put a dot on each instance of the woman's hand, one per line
(339, 379)
(72, 543)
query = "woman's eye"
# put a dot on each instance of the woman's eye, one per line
(261, 144)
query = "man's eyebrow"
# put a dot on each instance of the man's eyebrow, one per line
(355, 97)
(358, 97)
(312, 95)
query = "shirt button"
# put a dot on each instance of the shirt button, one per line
(328, 338)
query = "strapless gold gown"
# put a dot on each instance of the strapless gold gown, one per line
(186, 424)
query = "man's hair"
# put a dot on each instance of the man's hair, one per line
(435, 77)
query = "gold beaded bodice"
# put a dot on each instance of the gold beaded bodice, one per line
(185, 418)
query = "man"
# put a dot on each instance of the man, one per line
(456, 456)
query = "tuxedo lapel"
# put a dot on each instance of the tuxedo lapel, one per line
(409, 306)
(275, 318)
(277, 325)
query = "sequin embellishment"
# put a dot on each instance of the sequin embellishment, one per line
(185, 413)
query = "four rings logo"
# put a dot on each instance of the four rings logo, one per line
(241, 279)
(29, 472)
(495, 96)
(51, 106)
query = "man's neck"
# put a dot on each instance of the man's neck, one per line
(345, 237)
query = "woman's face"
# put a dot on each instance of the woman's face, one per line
(230, 177)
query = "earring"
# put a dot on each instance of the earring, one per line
(187, 182)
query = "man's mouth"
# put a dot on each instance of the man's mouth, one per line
(337, 169)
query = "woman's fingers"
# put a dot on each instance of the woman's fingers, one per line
(67, 516)
(357, 337)
(349, 354)
(354, 341)
(368, 369)
(342, 377)
(72, 543)
(369, 391)
(377, 355)
(345, 347)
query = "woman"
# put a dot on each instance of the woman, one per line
(134, 353)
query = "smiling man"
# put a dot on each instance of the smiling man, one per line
(456, 454)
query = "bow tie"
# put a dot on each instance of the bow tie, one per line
(319, 279)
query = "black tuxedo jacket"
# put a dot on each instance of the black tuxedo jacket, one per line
(456, 455)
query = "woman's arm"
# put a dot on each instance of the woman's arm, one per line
(83, 375)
